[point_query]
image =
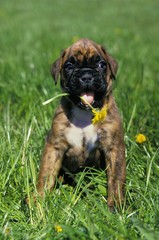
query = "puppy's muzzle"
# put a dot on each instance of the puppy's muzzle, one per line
(89, 82)
(86, 79)
(87, 76)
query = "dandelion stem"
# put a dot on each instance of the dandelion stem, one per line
(87, 103)
(52, 99)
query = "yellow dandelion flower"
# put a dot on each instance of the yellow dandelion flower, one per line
(99, 115)
(58, 228)
(140, 138)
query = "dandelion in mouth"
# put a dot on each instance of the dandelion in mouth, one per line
(98, 114)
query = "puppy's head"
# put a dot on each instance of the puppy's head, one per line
(85, 69)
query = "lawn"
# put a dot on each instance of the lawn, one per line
(32, 35)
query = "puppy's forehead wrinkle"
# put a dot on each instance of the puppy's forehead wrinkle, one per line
(83, 49)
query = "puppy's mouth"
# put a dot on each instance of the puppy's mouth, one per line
(87, 99)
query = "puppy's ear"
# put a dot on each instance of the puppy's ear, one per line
(112, 63)
(56, 68)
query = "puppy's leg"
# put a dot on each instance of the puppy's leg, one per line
(116, 174)
(49, 168)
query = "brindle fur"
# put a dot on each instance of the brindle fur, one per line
(106, 137)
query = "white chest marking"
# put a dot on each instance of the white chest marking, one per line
(82, 133)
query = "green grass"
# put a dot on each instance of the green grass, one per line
(32, 34)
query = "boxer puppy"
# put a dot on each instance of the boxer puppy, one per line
(86, 70)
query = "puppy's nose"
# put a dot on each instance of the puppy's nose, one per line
(86, 76)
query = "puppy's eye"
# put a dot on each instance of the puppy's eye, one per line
(102, 64)
(69, 66)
